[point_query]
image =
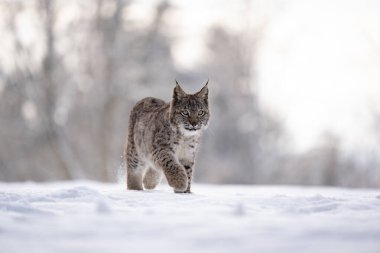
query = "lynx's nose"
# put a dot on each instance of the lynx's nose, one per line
(193, 123)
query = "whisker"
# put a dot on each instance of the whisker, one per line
(210, 130)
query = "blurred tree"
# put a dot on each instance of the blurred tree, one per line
(37, 89)
(71, 103)
(242, 145)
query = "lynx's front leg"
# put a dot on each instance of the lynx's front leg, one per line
(189, 171)
(175, 173)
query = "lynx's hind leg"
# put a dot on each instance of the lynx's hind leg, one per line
(135, 169)
(134, 165)
(135, 177)
(152, 178)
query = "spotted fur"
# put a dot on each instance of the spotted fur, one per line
(163, 138)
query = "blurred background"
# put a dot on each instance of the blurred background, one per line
(294, 86)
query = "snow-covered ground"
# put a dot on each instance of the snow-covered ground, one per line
(95, 217)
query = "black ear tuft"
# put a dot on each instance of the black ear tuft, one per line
(203, 93)
(178, 92)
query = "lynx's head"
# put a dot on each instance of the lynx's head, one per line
(190, 112)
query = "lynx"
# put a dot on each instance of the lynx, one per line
(164, 137)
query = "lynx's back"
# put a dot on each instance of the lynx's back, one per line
(163, 138)
(142, 123)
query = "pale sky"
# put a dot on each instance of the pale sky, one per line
(326, 60)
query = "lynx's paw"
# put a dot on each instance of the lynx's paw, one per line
(181, 185)
(178, 181)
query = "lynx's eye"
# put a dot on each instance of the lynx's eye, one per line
(201, 113)
(185, 113)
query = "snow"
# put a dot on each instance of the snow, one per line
(86, 216)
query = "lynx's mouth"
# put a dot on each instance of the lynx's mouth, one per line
(191, 128)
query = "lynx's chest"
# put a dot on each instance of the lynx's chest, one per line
(186, 147)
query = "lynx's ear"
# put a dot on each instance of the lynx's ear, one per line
(178, 92)
(203, 93)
